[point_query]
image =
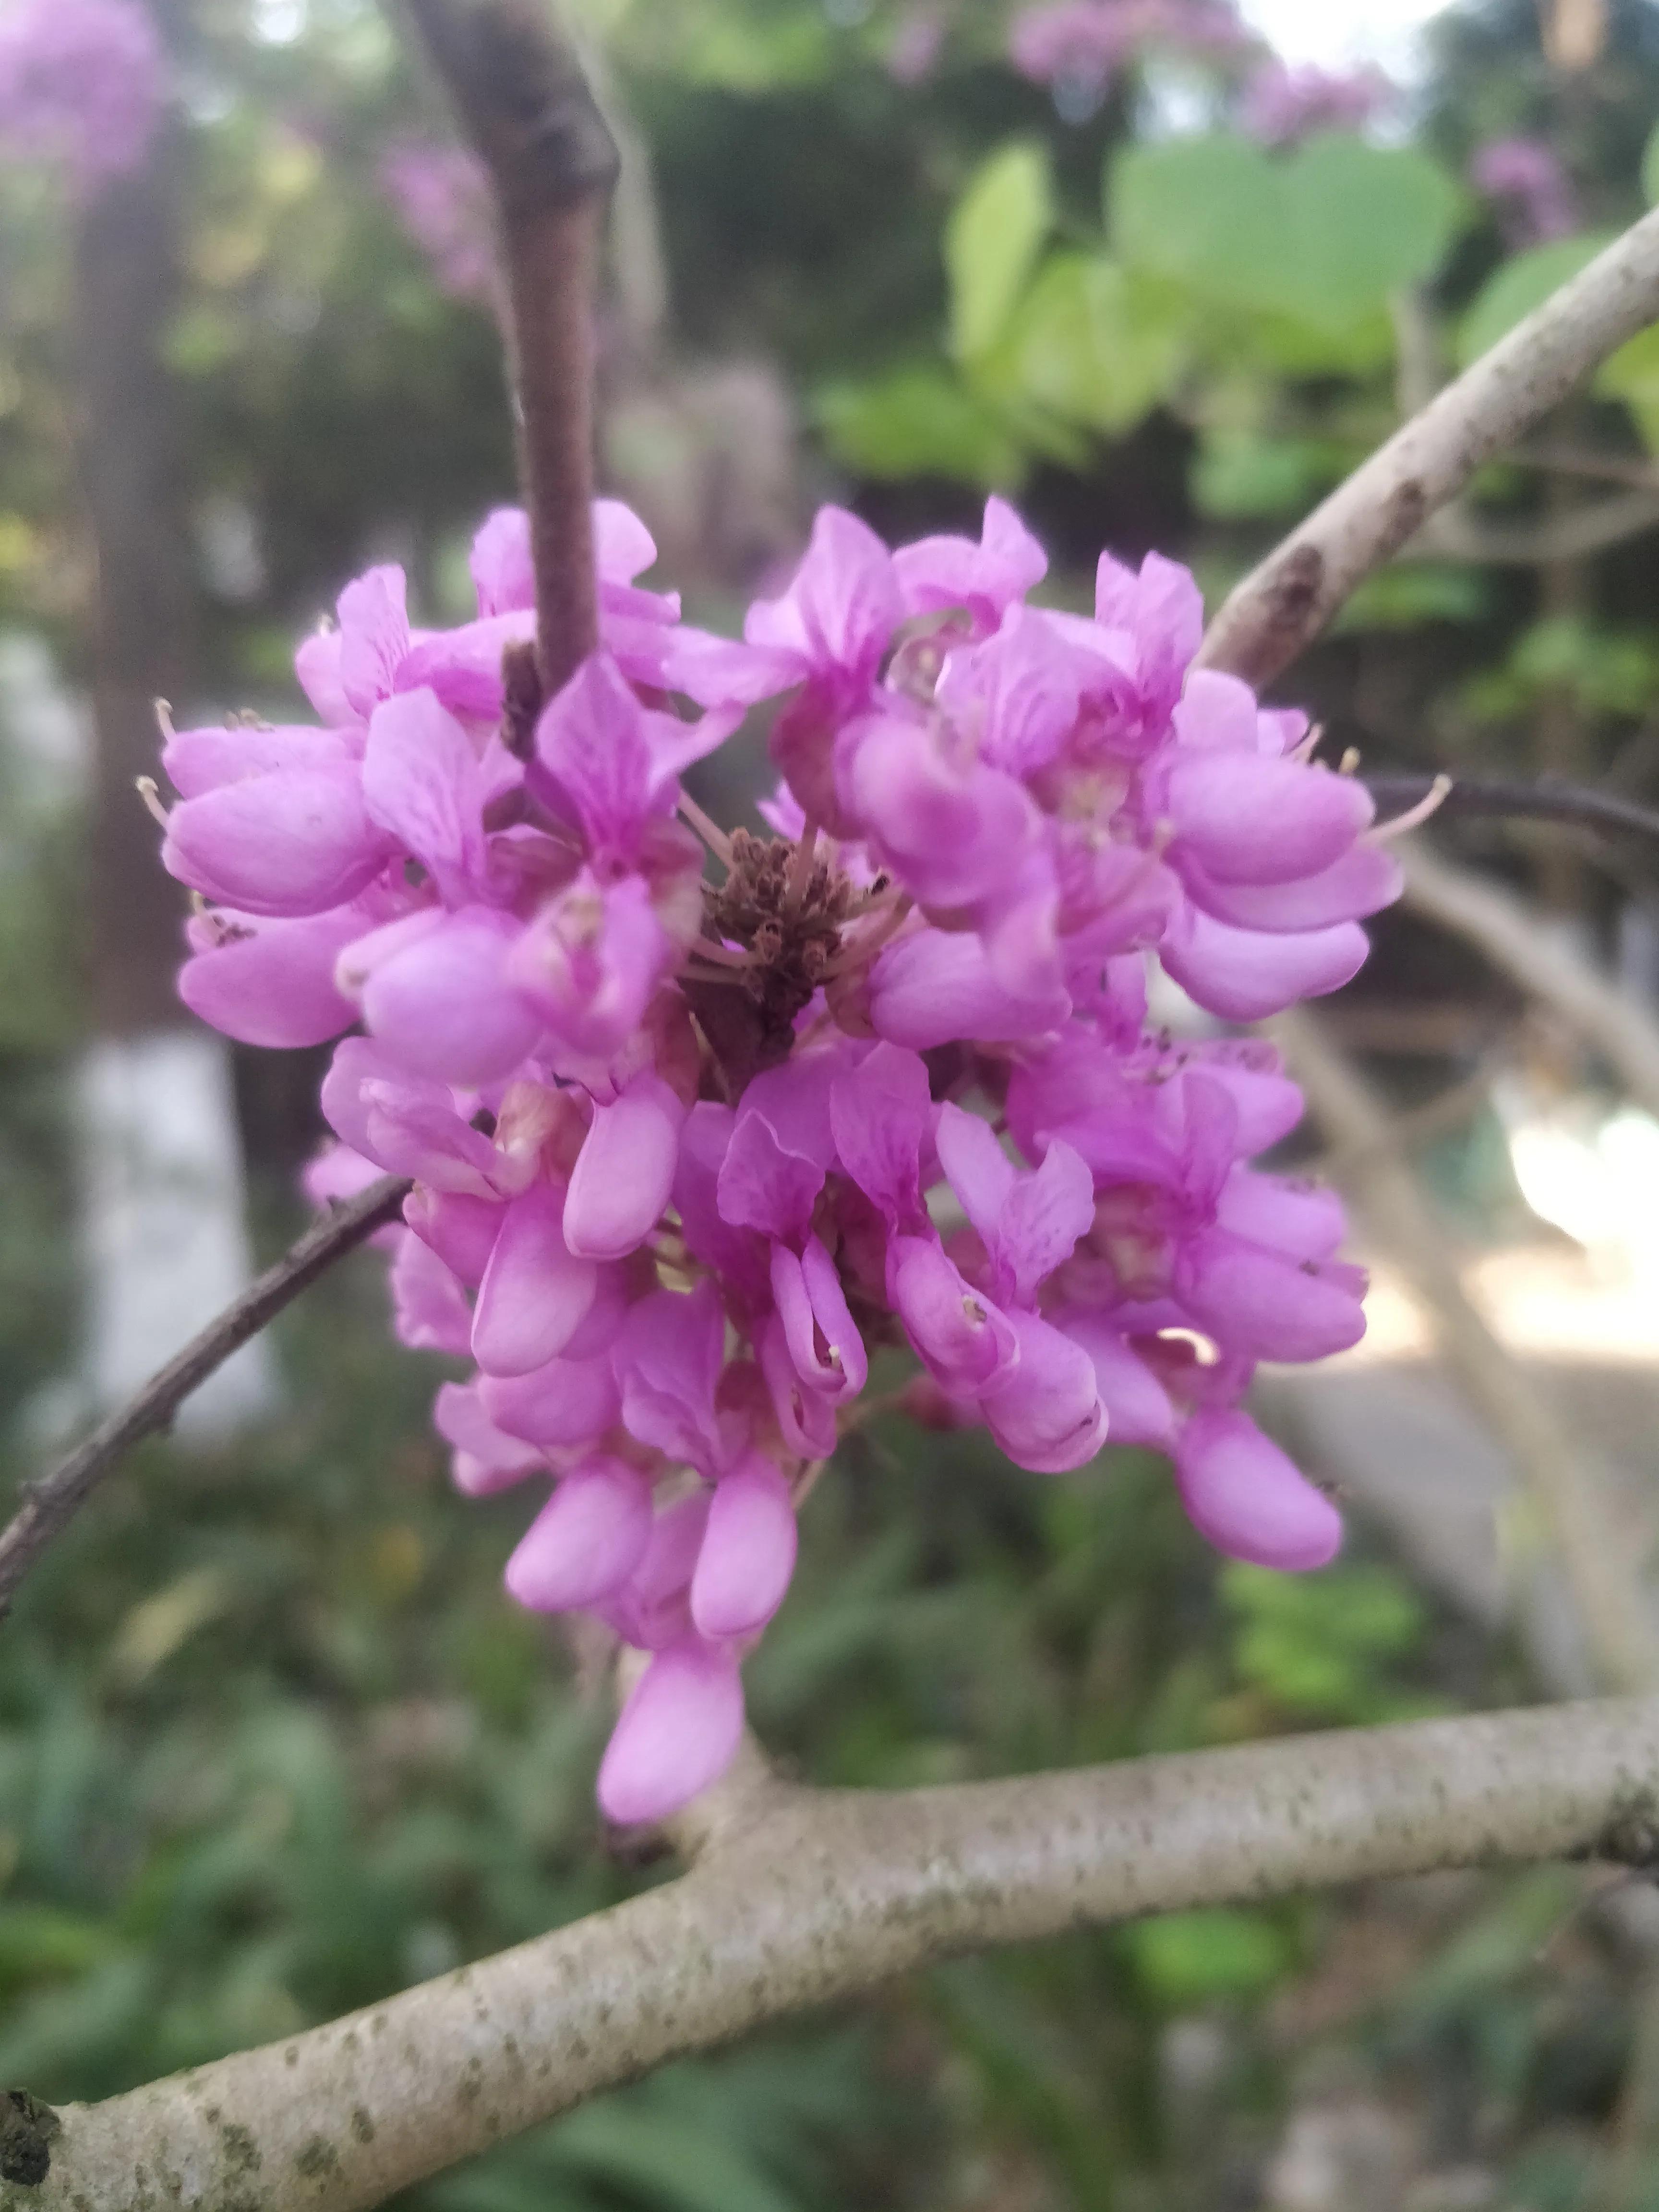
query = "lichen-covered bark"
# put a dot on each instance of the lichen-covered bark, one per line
(805, 1896)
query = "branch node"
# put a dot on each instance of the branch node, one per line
(525, 103)
(1631, 1838)
(27, 2128)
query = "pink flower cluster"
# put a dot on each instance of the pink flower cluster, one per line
(1524, 180)
(1077, 47)
(1283, 105)
(82, 83)
(699, 1130)
(441, 197)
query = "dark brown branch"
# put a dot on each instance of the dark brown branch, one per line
(519, 91)
(1579, 805)
(49, 1505)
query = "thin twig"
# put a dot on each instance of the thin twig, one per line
(1517, 942)
(1457, 533)
(50, 1503)
(812, 1897)
(552, 164)
(1284, 602)
(1581, 805)
(1572, 1487)
(1599, 468)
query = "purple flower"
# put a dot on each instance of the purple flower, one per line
(82, 86)
(1077, 47)
(441, 197)
(1525, 182)
(1284, 104)
(699, 1121)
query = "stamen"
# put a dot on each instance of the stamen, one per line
(708, 828)
(806, 1482)
(800, 866)
(1309, 745)
(1349, 763)
(152, 799)
(863, 949)
(1430, 803)
(723, 956)
(163, 711)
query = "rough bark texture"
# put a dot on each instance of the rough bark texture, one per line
(817, 1896)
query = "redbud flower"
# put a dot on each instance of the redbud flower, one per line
(82, 84)
(1284, 104)
(699, 1121)
(1524, 180)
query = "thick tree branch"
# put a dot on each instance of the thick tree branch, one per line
(50, 1503)
(1516, 942)
(1579, 805)
(1573, 1489)
(1283, 605)
(823, 1896)
(520, 92)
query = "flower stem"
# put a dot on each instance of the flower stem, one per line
(519, 90)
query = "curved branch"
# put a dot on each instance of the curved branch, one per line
(1456, 534)
(1516, 943)
(1546, 799)
(1565, 1474)
(1284, 602)
(824, 1895)
(50, 1503)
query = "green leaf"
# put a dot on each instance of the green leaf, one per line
(1364, 221)
(919, 422)
(1184, 1958)
(1411, 592)
(1204, 212)
(992, 240)
(1322, 237)
(1098, 343)
(1240, 473)
(1513, 291)
(1651, 169)
(1632, 375)
(666, 2161)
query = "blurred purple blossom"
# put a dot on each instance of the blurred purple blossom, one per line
(1076, 45)
(1283, 105)
(1528, 186)
(82, 83)
(917, 39)
(442, 200)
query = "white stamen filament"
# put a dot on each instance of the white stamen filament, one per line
(708, 828)
(863, 949)
(1430, 803)
(800, 867)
